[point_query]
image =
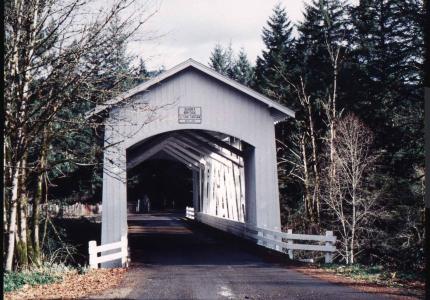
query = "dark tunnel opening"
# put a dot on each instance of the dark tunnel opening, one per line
(159, 185)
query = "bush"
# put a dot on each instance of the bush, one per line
(16, 280)
(375, 273)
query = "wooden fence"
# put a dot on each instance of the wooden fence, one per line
(72, 210)
(189, 213)
(276, 240)
(93, 250)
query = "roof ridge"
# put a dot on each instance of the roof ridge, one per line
(180, 67)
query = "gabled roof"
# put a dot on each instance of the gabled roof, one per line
(190, 63)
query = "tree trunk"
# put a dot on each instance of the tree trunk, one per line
(12, 218)
(315, 197)
(38, 199)
(22, 250)
(36, 217)
(306, 181)
(354, 222)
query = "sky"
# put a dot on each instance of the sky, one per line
(183, 29)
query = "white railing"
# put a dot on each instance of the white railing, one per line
(95, 260)
(189, 212)
(276, 240)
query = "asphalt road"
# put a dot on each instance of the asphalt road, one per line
(174, 259)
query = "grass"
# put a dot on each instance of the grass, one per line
(16, 280)
(48, 273)
(372, 274)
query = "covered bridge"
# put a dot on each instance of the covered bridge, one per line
(219, 129)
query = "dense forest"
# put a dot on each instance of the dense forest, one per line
(353, 158)
(351, 161)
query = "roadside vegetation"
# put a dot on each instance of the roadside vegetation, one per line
(352, 160)
(377, 274)
(16, 280)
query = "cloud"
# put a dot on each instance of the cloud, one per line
(191, 28)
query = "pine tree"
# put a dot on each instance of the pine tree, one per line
(221, 60)
(389, 47)
(277, 57)
(388, 43)
(243, 71)
(224, 61)
(325, 28)
(142, 73)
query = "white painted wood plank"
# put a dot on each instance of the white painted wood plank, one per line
(323, 248)
(108, 247)
(109, 257)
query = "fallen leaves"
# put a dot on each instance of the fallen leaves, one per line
(406, 293)
(73, 285)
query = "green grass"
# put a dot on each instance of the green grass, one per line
(16, 280)
(44, 274)
(373, 274)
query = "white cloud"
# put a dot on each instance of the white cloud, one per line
(191, 28)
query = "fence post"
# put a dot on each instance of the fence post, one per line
(290, 242)
(124, 248)
(92, 250)
(328, 255)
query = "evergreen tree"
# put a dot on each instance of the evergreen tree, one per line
(142, 74)
(224, 61)
(221, 60)
(388, 55)
(277, 57)
(325, 28)
(243, 71)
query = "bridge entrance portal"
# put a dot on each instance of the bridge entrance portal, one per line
(221, 131)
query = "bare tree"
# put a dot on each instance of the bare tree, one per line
(46, 71)
(347, 192)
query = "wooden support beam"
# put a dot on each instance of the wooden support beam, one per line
(181, 157)
(211, 138)
(206, 147)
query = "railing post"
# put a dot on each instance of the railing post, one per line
(290, 242)
(92, 250)
(124, 251)
(328, 255)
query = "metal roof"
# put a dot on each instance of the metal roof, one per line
(190, 63)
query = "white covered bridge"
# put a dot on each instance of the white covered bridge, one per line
(219, 129)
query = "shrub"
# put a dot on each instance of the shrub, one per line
(16, 280)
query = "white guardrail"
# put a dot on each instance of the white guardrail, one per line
(276, 240)
(189, 213)
(95, 260)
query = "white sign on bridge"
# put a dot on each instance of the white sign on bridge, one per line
(189, 114)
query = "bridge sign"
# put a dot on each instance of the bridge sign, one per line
(189, 115)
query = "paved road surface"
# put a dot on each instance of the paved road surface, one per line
(173, 259)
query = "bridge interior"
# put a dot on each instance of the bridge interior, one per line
(159, 185)
(203, 169)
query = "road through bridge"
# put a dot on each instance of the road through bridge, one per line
(176, 259)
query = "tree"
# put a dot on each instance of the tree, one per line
(312, 82)
(278, 55)
(142, 72)
(388, 44)
(224, 61)
(367, 60)
(46, 77)
(388, 72)
(243, 71)
(348, 192)
(221, 60)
